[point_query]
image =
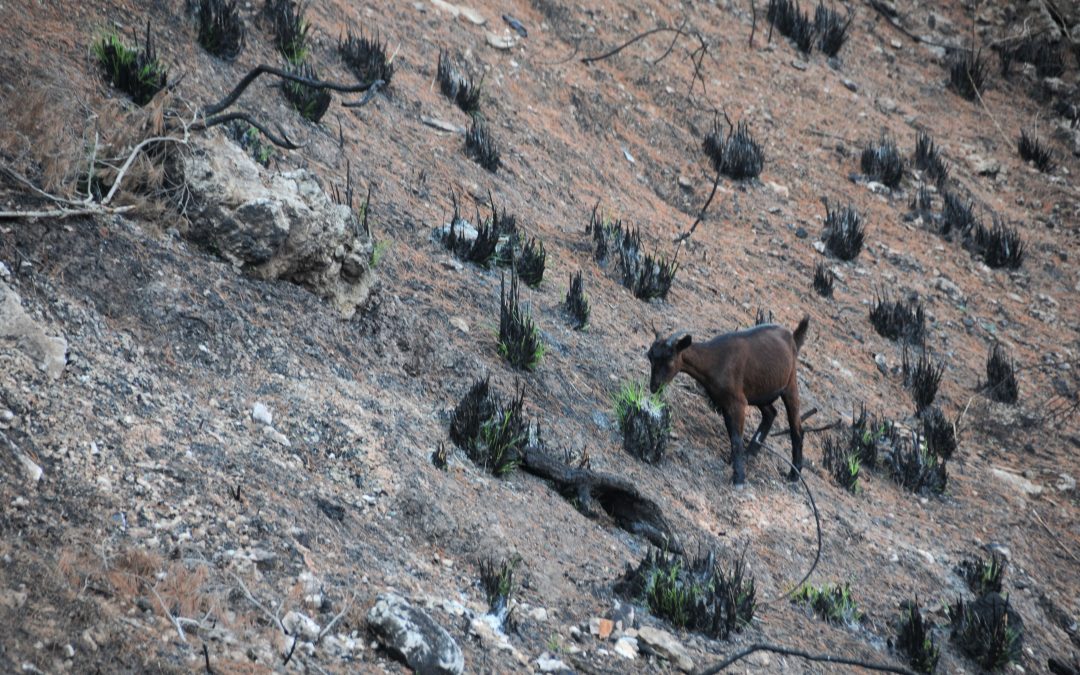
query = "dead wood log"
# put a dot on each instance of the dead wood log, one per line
(617, 496)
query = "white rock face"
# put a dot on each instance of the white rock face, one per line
(277, 226)
(18, 329)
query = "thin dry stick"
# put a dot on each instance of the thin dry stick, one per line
(325, 631)
(1057, 540)
(259, 605)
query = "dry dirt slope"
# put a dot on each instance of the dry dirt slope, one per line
(146, 437)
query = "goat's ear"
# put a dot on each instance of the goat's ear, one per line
(683, 343)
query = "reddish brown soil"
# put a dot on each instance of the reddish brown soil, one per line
(149, 428)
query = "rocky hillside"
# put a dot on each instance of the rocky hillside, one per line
(234, 338)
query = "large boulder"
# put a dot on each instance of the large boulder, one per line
(277, 225)
(424, 645)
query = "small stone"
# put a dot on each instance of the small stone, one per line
(261, 414)
(626, 647)
(460, 324)
(663, 644)
(601, 627)
(549, 664)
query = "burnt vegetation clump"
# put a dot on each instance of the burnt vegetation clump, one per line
(644, 420)
(983, 575)
(576, 303)
(1032, 150)
(928, 159)
(882, 162)
(736, 155)
(998, 246)
(456, 86)
(831, 28)
(493, 433)
(221, 30)
(136, 72)
(1001, 376)
(519, 338)
(914, 639)
(968, 72)
(1046, 55)
(480, 145)
(898, 321)
(922, 378)
(939, 433)
(311, 102)
(844, 232)
(696, 594)
(366, 57)
(988, 630)
(788, 18)
(291, 29)
(823, 280)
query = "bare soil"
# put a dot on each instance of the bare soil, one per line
(160, 491)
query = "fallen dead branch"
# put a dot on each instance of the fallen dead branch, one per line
(617, 496)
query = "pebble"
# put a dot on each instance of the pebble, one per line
(261, 414)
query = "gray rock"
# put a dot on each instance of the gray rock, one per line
(21, 331)
(278, 226)
(665, 645)
(410, 633)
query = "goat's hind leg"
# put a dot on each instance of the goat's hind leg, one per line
(761, 436)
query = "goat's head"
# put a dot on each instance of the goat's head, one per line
(665, 357)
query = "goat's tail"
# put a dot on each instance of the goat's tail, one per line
(800, 332)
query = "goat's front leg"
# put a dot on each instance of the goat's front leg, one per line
(734, 416)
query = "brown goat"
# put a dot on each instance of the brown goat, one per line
(749, 367)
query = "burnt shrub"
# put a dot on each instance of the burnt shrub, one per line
(456, 86)
(914, 467)
(898, 321)
(929, 160)
(956, 216)
(841, 462)
(988, 630)
(645, 421)
(832, 602)
(968, 72)
(787, 17)
(736, 155)
(983, 575)
(696, 594)
(1032, 150)
(831, 28)
(497, 580)
(531, 262)
(492, 433)
(1001, 376)
(576, 303)
(922, 378)
(823, 280)
(914, 640)
(311, 102)
(136, 72)
(998, 246)
(882, 162)
(844, 232)
(519, 338)
(939, 432)
(221, 30)
(480, 145)
(366, 57)
(291, 28)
